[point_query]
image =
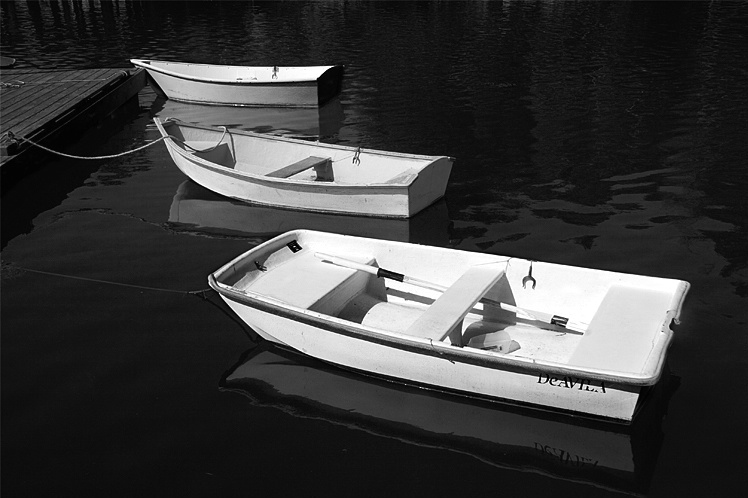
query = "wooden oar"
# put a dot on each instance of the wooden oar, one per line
(540, 316)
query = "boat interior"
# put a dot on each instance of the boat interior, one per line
(240, 73)
(620, 336)
(283, 159)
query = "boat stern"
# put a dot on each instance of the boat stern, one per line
(329, 84)
(430, 184)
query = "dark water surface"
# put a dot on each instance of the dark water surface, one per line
(610, 135)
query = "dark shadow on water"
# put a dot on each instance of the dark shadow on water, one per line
(307, 123)
(575, 453)
(197, 208)
(37, 181)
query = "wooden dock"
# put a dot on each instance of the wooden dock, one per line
(47, 107)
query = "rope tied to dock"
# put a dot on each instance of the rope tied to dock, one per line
(20, 83)
(12, 270)
(15, 139)
(12, 84)
(73, 156)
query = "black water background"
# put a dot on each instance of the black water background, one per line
(610, 135)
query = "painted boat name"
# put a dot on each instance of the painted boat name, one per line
(572, 383)
(565, 457)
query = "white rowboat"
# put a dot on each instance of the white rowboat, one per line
(305, 86)
(311, 176)
(581, 341)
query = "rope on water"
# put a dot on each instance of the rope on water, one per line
(121, 154)
(200, 293)
(12, 270)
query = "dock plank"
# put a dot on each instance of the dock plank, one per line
(49, 94)
(33, 86)
(15, 100)
(38, 101)
(44, 97)
(28, 86)
(42, 105)
(38, 104)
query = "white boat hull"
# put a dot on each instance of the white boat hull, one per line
(363, 325)
(417, 190)
(245, 85)
(382, 201)
(562, 392)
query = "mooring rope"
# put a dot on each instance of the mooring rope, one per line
(20, 83)
(12, 84)
(199, 292)
(121, 154)
(72, 156)
(353, 154)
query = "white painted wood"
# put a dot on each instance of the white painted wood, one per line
(564, 392)
(322, 168)
(496, 340)
(284, 86)
(521, 312)
(618, 337)
(448, 311)
(363, 327)
(281, 281)
(236, 164)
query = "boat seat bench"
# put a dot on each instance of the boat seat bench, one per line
(444, 317)
(322, 167)
(219, 154)
(309, 283)
(623, 331)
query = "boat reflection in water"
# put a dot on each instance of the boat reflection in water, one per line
(311, 123)
(574, 453)
(206, 211)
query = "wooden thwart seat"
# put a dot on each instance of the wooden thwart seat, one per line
(307, 282)
(322, 167)
(445, 315)
(623, 330)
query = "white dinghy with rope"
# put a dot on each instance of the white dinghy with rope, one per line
(577, 340)
(298, 174)
(272, 86)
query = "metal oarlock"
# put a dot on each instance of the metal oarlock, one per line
(529, 278)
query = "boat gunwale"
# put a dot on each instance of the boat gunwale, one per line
(225, 170)
(425, 346)
(274, 138)
(650, 375)
(148, 66)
